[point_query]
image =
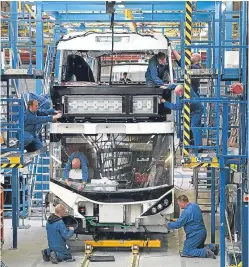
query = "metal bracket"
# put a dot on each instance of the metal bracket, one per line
(88, 252)
(135, 256)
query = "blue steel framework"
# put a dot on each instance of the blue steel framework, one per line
(218, 42)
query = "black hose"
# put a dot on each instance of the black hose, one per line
(112, 28)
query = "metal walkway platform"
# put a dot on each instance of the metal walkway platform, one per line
(8, 159)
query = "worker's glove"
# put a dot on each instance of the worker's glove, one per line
(68, 183)
(57, 111)
(59, 115)
(162, 100)
(164, 87)
(168, 40)
(171, 86)
(71, 228)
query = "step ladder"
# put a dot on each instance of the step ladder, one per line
(39, 183)
(202, 183)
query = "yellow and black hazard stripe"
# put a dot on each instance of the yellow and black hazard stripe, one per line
(11, 165)
(187, 81)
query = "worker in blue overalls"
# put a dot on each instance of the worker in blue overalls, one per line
(57, 234)
(196, 111)
(157, 73)
(44, 104)
(76, 171)
(192, 221)
(33, 118)
(195, 64)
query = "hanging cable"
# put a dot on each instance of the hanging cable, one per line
(112, 28)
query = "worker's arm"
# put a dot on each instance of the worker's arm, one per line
(177, 106)
(65, 233)
(171, 86)
(32, 119)
(179, 223)
(154, 74)
(45, 112)
(177, 57)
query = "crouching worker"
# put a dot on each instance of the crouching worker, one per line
(76, 171)
(192, 221)
(57, 235)
(196, 111)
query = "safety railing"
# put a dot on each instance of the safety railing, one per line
(13, 127)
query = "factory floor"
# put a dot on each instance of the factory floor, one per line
(31, 241)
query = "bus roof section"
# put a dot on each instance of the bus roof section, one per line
(123, 42)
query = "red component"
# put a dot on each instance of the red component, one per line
(141, 178)
(246, 198)
(236, 88)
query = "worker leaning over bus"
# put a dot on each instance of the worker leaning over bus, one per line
(158, 72)
(76, 171)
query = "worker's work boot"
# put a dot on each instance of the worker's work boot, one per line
(53, 258)
(216, 249)
(210, 253)
(45, 256)
(70, 260)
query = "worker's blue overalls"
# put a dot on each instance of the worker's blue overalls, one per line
(196, 233)
(196, 112)
(155, 73)
(44, 104)
(57, 235)
(84, 168)
(32, 122)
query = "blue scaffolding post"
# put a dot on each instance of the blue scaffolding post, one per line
(14, 161)
(245, 118)
(39, 45)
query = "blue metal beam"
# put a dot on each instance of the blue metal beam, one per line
(146, 17)
(99, 6)
(39, 45)
(213, 205)
(15, 208)
(13, 32)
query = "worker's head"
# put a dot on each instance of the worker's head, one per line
(196, 58)
(161, 57)
(33, 105)
(179, 90)
(183, 201)
(60, 210)
(76, 163)
(125, 75)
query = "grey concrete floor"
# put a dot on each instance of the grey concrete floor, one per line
(31, 241)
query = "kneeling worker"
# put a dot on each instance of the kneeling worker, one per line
(76, 170)
(57, 235)
(192, 221)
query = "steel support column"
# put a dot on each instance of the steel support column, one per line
(13, 33)
(15, 208)
(39, 45)
(245, 235)
(57, 35)
(223, 180)
(245, 184)
(213, 208)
